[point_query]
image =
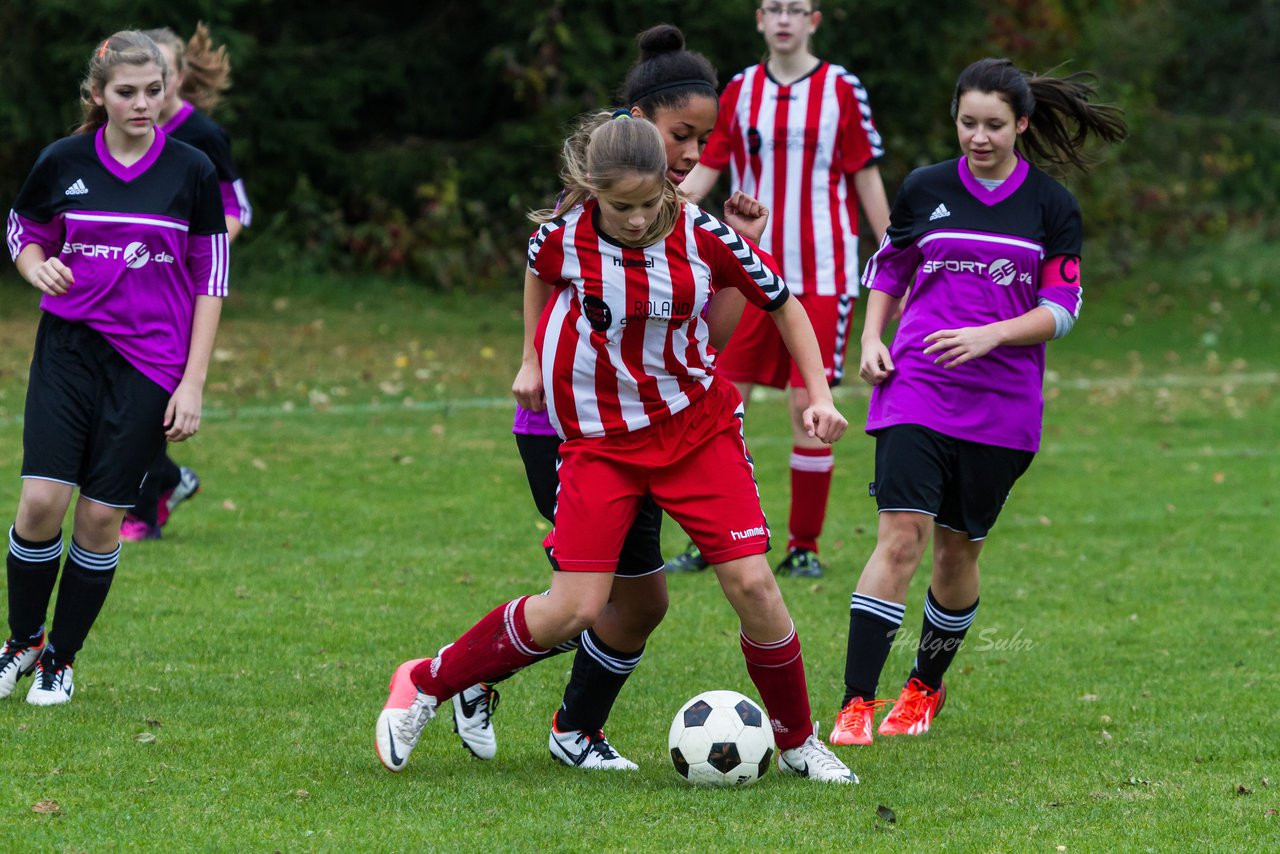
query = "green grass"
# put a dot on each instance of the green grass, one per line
(364, 503)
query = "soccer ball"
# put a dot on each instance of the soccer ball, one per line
(721, 738)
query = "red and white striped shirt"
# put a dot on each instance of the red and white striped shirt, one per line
(794, 148)
(623, 344)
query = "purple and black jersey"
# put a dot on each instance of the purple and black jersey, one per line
(142, 242)
(199, 131)
(973, 256)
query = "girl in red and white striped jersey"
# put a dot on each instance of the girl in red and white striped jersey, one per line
(121, 229)
(674, 88)
(796, 132)
(621, 362)
(198, 75)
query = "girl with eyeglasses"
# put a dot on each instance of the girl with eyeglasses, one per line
(796, 132)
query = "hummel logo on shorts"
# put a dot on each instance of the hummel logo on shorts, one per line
(77, 189)
(939, 212)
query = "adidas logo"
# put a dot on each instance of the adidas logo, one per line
(77, 189)
(938, 213)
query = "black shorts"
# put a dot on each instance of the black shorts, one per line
(641, 550)
(962, 484)
(92, 419)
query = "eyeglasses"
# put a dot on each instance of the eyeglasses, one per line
(789, 11)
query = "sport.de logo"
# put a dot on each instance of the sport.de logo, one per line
(137, 255)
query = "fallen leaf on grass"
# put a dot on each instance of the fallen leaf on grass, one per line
(886, 814)
(47, 807)
(1272, 812)
(145, 737)
(302, 794)
(152, 722)
(1242, 789)
(229, 505)
(1089, 698)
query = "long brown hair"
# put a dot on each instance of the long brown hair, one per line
(605, 149)
(205, 70)
(127, 47)
(1060, 112)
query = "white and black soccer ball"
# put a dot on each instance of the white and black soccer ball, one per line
(721, 738)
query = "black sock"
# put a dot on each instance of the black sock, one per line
(162, 476)
(32, 570)
(941, 636)
(599, 672)
(86, 579)
(873, 624)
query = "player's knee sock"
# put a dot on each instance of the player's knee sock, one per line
(941, 637)
(777, 671)
(811, 470)
(599, 672)
(495, 646)
(873, 624)
(32, 571)
(86, 580)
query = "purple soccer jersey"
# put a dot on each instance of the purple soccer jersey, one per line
(141, 241)
(973, 256)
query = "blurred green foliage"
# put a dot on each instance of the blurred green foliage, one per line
(412, 138)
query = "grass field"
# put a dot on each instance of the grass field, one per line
(363, 503)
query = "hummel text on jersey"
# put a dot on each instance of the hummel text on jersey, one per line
(757, 531)
(77, 189)
(939, 212)
(633, 262)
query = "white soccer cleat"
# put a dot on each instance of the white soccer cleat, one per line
(17, 659)
(578, 748)
(814, 760)
(52, 684)
(473, 719)
(403, 718)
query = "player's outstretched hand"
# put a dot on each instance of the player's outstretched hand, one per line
(528, 387)
(823, 421)
(182, 415)
(876, 363)
(746, 215)
(956, 346)
(52, 277)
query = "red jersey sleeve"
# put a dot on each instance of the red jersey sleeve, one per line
(719, 147)
(735, 262)
(546, 251)
(858, 140)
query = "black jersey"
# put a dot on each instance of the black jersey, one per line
(198, 130)
(142, 241)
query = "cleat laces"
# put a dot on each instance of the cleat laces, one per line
(415, 718)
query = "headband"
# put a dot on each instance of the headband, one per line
(675, 84)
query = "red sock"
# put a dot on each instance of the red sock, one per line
(810, 485)
(497, 645)
(777, 670)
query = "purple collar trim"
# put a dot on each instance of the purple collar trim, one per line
(184, 113)
(999, 194)
(115, 167)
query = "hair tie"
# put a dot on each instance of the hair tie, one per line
(102, 51)
(674, 84)
(621, 114)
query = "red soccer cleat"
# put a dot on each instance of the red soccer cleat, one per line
(853, 724)
(914, 710)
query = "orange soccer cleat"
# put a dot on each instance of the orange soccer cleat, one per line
(914, 710)
(853, 724)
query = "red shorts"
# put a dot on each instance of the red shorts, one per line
(694, 464)
(756, 354)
